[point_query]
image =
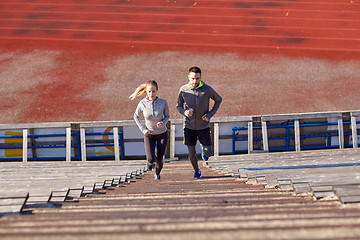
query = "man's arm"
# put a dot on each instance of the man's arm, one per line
(166, 114)
(180, 104)
(217, 99)
(180, 107)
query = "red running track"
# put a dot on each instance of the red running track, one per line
(62, 61)
(322, 25)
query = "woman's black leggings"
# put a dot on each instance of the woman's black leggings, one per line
(159, 143)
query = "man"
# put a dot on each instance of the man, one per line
(193, 104)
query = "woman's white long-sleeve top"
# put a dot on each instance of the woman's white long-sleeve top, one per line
(154, 111)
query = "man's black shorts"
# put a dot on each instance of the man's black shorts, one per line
(191, 136)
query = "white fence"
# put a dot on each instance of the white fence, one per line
(118, 140)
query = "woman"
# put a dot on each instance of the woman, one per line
(156, 114)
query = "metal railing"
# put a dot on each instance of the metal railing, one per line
(294, 134)
(77, 141)
(71, 141)
(289, 136)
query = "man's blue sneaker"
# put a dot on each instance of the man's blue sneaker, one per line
(204, 157)
(197, 174)
(157, 177)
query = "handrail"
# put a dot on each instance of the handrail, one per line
(296, 135)
(75, 134)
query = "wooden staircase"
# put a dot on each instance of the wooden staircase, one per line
(217, 206)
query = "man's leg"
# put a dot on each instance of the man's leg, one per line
(192, 157)
(205, 142)
(190, 141)
(206, 152)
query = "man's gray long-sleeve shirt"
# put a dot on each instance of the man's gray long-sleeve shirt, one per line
(197, 99)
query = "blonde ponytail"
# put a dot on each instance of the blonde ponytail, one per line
(138, 91)
(142, 89)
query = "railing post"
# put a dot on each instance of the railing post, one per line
(68, 144)
(265, 136)
(354, 132)
(83, 144)
(233, 141)
(116, 143)
(250, 137)
(172, 140)
(297, 135)
(25, 145)
(216, 139)
(341, 133)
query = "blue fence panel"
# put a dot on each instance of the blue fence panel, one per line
(289, 137)
(57, 146)
(106, 145)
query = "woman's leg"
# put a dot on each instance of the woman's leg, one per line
(149, 143)
(161, 143)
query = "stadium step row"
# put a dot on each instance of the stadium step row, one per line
(217, 206)
(26, 185)
(325, 174)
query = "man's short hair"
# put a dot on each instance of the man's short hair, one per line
(195, 70)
